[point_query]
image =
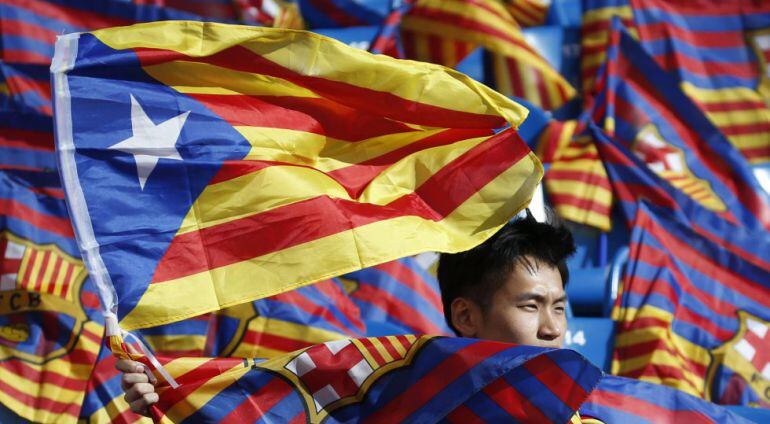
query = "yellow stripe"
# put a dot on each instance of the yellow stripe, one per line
(35, 270)
(340, 253)
(502, 76)
(204, 393)
(596, 194)
(584, 216)
(365, 352)
(114, 408)
(299, 50)
(170, 343)
(496, 45)
(658, 358)
(311, 335)
(47, 271)
(422, 47)
(501, 21)
(526, 73)
(593, 166)
(722, 95)
(448, 53)
(740, 117)
(606, 14)
(204, 78)
(397, 345)
(61, 273)
(747, 141)
(381, 349)
(277, 186)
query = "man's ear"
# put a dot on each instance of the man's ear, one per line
(466, 317)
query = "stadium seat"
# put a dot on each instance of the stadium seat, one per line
(592, 338)
(592, 290)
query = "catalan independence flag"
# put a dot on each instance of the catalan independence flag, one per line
(622, 400)
(30, 27)
(387, 379)
(445, 31)
(231, 163)
(691, 314)
(643, 107)
(401, 295)
(276, 325)
(576, 181)
(528, 13)
(49, 337)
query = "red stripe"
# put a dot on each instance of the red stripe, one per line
(741, 129)
(359, 98)
(461, 21)
(342, 302)
(390, 348)
(25, 280)
(521, 13)
(191, 381)
(26, 56)
(432, 383)
(436, 51)
(40, 402)
(41, 273)
(56, 265)
(461, 50)
(20, 84)
(378, 358)
(232, 241)
(560, 383)
(297, 300)
(463, 415)
(647, 348)
(542, 90)
(28, 139)
(660, 371)
(84, 19)
(313, 115)
(641, 408)
(44, 376)
(584, 203)
(408, 277)
(513, 402)
(50, 223)
(397, 309)
(557, 175)
(256, 404)
(13, 27)
(727, 106)
(667, 32)
(708, 266)
(514, 77)
(409, 44)
(275, 342)
(756, 153)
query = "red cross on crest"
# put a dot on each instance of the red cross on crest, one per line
(755, 346)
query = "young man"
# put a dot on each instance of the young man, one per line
(509, 289)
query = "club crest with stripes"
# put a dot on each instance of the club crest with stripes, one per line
(340, 372)
(42, 279)
(747, 354)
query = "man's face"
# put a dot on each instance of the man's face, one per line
(529, 308)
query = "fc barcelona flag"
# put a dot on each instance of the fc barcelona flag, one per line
(49, 335)
(692, 314)
(642, 106)
(208, 165)
(386, 379)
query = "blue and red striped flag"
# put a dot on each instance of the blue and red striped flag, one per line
(340, 13)
(640, 105)
(352, 169)
(402, 295)
(25, 84)
(692, 313)
(30, 27)
(714, 49)
(388, 379)
(26, 139)
(622, 400)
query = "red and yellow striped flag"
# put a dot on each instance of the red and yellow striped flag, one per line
(297, 158)
(576, 182)
(445, 31)
(528, 12)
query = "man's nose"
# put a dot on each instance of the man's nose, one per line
(550, 327)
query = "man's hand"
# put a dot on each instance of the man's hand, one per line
(138, 385)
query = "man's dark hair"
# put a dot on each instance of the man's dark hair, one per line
(478, 273)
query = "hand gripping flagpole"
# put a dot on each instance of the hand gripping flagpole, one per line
(63, 61)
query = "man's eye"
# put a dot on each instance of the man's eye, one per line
(559, 309)
(531, 307)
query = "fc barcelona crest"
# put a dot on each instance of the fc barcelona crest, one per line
(746, 357)
(760, 42)
(44, 280)
(339, 373)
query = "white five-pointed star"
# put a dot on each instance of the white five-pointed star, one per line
(150, 142)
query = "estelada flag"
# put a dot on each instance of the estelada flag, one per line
(208, 165)
(692, 314)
